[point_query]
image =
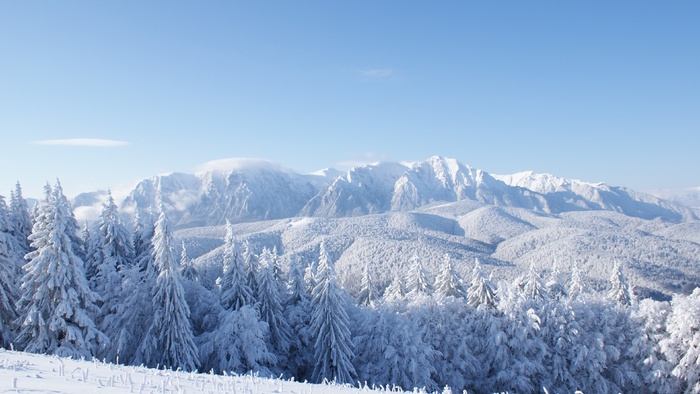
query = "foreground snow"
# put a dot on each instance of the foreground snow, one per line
(33, 373)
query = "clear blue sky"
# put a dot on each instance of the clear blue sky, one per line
(599, 91)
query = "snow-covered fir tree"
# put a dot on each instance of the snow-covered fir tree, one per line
(577, 285)
(144, 227)
(329, 325)
(395, 291)
(368, 292)
(620, 290)
(20, 219)
(235, 291)
(57, 304)
(481, 291)
(390, 350)
(417, 281)
(8, 277)
(169, 341)
(449, 283)
(298, 315)
(682, 345)
(251, 265)
(187, 269)
(270, 304)
(115, 255)
(532, 285)
(555, 285)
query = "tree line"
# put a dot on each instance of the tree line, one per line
(124, 296)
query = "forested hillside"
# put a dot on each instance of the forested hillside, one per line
(139, 298)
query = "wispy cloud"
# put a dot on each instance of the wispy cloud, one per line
(91, 142)
(377, 72)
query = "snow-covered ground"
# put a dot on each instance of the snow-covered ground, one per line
(33, 373)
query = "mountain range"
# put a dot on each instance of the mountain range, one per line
(252, 190)
(385, 214)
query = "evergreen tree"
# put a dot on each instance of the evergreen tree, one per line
(298, 315)
(8, 277)
(237, 344)
(682, 345)
(115, 255)
(235, 291)
(448, 282)
(271, 307)
(56, 299)
(188, 271)
(555, 287)
(297, 285)
(395, 291)
(20, 219)
(620, 290)
(251, 264)
(418, 282)
(170, 341)
(577, 286)
(368, 292)
(329, 325)
(391, 351)
(532, 286)
(144, 228)
(482, 291)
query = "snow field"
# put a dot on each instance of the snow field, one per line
(33, 373)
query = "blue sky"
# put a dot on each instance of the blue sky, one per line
(599, 91)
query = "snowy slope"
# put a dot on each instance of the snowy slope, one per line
(659, 256)
(244, 190)
(32, 373)
(689, 196)
(570, 195)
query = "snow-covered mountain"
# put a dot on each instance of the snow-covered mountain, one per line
(570, 195)
(244, 190)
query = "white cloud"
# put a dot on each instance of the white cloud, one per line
(377, 72)
(92, 142)
(241, 163)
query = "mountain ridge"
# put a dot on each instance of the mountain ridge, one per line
(241, 190)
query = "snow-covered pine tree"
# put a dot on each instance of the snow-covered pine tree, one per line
(251, 264)
(417, 281)
(8, 277)
(533, 287)
(555, 286)
(144, 227)
(682, 345)
(298, 315)
(620, 289)
(395, 291)
(170, 335)
(116, 240)
(390, 351)
(235, 291)
(329, 325)
(368, 292)
(652, 363)
(187, 269)
(57, 302)
(271, 307)
(115, 255)
(482, 291)
(237, 344)
(296, 284)
(449, 283)
(20, 219)
(577, 285)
